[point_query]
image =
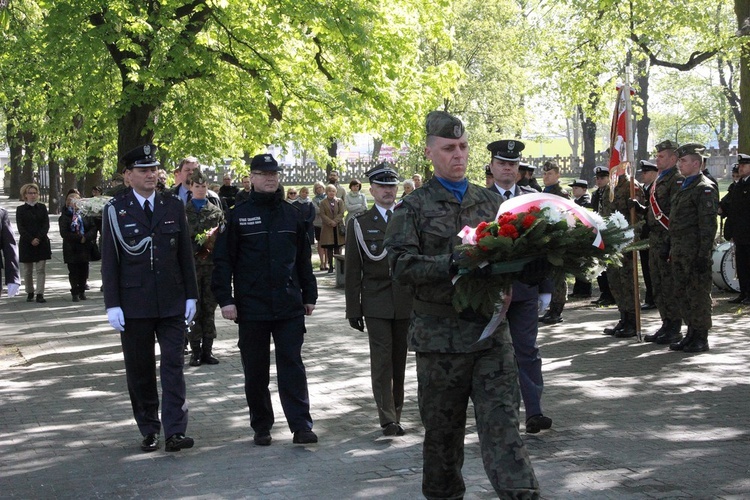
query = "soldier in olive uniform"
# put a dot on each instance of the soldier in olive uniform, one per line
(202, 217)
(736, 206)
(601, 180)
(551, 179)
(621, 278)
(453, 364)
(384, 304)
(692, 229)
(657, 210)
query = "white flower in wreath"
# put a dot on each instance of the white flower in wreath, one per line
(551, 213)
(618, 220)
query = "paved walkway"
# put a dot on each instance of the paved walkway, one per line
(630, 420)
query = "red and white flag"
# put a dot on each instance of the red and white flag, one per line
(618, 138)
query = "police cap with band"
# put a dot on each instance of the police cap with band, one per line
(140, 157)
(382, 174)
(691, 148)
(648, 166)
(743, 159)
(526, 167)
(664, 145)
(442, 124)
(507, 149)
(581, 183)
(264, 163)
(601, 171)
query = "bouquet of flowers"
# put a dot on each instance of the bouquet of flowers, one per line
(206, 241)
(530, 227)
(92, 207)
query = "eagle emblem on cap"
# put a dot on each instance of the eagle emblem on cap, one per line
(146, 150)
(511, 145)
(457, 131)
(267, 159)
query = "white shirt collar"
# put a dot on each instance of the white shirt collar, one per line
(141, 199)
(502, 190)
(382, 211)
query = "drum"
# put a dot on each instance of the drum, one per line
(723, 273)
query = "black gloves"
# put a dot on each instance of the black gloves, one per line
(357, 324)
(639, 208)
(535, 271)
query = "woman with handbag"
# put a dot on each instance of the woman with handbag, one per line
(332, 233)
(34, 249)
(79, 240)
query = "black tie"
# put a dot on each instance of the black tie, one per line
(147, 210)
(388, 214)
(506, 195)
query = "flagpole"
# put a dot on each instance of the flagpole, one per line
(633, 218)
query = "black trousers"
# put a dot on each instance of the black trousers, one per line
(140, 368)
(78, 275)
(255, 351)
(742, 264)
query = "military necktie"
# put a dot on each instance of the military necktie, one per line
(506, 195)
(388, 214)
(147, 209)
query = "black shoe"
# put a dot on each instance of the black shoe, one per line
(393, 429)
(195, 359)
(305, 437)
(613, 330)
(537, 423)
(76, 298)
(627, 332)
(86, 287)
(208, 359)
(330, 270)
(746, 302)
(177, 442)
(30, 297)
(648, 306)
(737, 300)
(262, 438)
(150, 442)
(83, 296)
(552, 319)
(40, 298)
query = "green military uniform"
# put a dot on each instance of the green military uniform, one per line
(657, 217)
(202, 333)
(621, 278)
(692, 229)
(452, 364)
(385, 305)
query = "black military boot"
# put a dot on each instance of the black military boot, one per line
(206, 356)
(75, 296)
(30, 297)
(82, 296)
(617, 327)
(678, 346)
(195, 357)
(699, 342)
(554, 315)
(671, 333)
(628, 328)
(651, 337)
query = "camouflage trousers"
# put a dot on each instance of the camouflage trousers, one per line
(692, 289)
(204, 325)
(560, 291)
(662, 280)
(621, 285)
(490, 379)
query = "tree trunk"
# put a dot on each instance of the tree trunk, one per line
(94, 165)
(641, 133)
(15, 143)
(69, 178)
(332, 153)
(27, 173)
(54, 181)
(133, 128)
(589, 146)
(742, 10)
(376, 145)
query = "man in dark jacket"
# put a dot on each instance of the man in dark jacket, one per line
(265, 251)
(737, 229)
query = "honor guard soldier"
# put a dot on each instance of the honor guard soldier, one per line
(692, 229)
(150, 290)
(384, 304)
(601, 180)
(649, 171)
(263, 256)
(453, 364)
(737, 227)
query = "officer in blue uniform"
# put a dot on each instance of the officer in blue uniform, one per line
(265, 251)
(150, 289)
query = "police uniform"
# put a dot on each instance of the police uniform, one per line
(149, 276)
(385, 305)
(453, 365)
(203, 216)
(692, 229)
(264, 252)
(522, 314)
(621, 278)
(737, 229)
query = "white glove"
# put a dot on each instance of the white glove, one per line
(190, 310)
(544, 300)
(13, 289)
(116, 318)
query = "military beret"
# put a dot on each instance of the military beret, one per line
(526, 167)
(648, 166)
(743, 159)
(601, 171)
(442, 124)
(691, 148)
(382, 174)
(198, 177)
(581, 183)
(508, 149)
(140, 157)
(666, 145)
(264, 163)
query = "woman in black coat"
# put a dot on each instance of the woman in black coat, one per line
(79, 236)
(34, 248)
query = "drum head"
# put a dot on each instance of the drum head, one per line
(723, 272)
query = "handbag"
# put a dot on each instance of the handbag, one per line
(94, 253)
(342, 229)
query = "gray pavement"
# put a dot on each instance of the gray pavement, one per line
(630, 420)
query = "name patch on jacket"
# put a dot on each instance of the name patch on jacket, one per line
(249, 221)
